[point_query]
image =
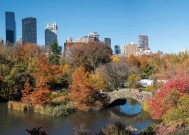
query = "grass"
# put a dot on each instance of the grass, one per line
(19, 106)
(55, 110)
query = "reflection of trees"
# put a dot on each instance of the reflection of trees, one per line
(127, 119)
(132, 101)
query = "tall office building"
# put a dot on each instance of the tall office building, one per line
(10, 27)
(29, 30)
(117, 49)
(51, 32)
(143, 42)
(107, 41)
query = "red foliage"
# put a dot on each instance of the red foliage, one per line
(156, 106)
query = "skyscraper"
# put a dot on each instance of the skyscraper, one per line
(10, 27)
(117, 49)
(29, 30)
(107, 41)
(51, 32)
(143, 42)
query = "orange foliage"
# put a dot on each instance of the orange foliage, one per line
(25, 52)
(81, 92)
(43, 74)
(41, 94)
(26, 93)
(46, 72)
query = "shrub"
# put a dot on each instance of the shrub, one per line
(58, 110)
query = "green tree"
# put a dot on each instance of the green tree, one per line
(55, 53)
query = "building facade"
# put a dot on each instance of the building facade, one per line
(117, 49)
(93, 36)
(143, 42)
(69, 43)
(1, 40)
(107, 41)
(10, 27)
(29, 30)
(130, 49)
(51, 32)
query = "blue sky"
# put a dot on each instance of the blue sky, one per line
(166, 22)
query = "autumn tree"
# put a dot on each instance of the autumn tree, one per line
(80, 91)
(83, 89)
(89, 55)
(26, 92)
(44, 74)
(167, 98)
(115, 73)
(41, 94)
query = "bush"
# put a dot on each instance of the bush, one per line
(58, 110)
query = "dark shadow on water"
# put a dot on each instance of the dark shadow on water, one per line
(117, 102)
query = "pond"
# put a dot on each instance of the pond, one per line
(16, 122)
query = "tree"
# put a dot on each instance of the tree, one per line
(168, 96)
(89, 55)
(115, 73)
(41, 94)
(55, 52)
(80, 91)
(133, 79)
(179, 112)
(26, 93)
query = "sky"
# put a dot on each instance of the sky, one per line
(165, 22)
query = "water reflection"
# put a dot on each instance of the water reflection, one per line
(15, 122)
(132, 107)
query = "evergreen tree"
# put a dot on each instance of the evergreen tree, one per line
(55, 53)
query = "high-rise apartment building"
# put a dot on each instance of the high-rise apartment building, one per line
(10, 27)
(93, 36)
(143, 42)
(130, 49)
(51, 32)
(107, 41)
(117, 49)
(29, 30)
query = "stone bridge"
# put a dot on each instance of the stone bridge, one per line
(134, 94)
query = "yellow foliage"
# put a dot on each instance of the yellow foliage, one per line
(96, 82)
(65, 68)
(115, 58)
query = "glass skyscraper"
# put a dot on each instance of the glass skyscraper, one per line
(29, 30)
(51, 32)
(10, 27)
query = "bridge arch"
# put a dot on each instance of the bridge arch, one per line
(126, 93)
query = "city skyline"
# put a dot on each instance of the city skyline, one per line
(166, 23)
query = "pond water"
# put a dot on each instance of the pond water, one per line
(16, 122)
